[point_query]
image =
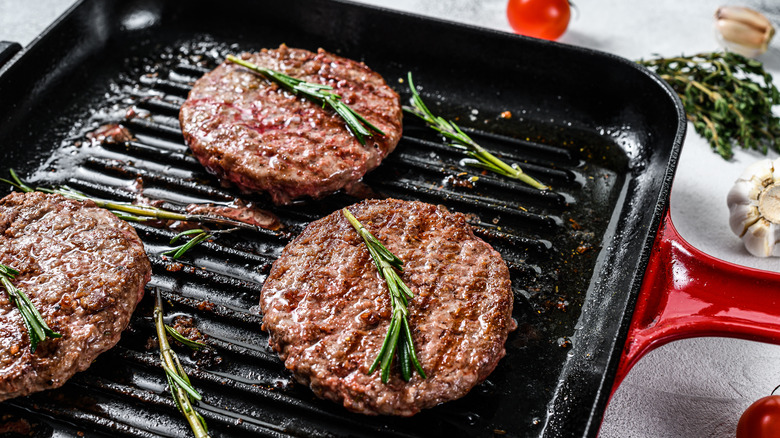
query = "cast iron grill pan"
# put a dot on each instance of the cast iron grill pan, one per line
(558, 244)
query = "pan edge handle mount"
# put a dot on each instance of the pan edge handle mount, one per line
(687, 293)
(7, 50)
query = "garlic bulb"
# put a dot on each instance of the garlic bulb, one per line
(743, 30)
(754, 206)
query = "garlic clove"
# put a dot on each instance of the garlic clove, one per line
(743, 30)
(754, 208)
(776, 239)
(742, 33)
(760, 239)
(760, 170)
(742, 217)
(743, 192)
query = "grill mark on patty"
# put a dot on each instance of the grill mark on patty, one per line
(252, 132)
(83, 268)
(327, 309)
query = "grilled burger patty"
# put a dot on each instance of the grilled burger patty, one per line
(248, 130)
(327, 309)
(84, 270)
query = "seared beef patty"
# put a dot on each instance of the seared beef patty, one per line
(248, 130)
(83, 269)
(327, 309)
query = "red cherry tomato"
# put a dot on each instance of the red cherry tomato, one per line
(545, 19)
(761, 419)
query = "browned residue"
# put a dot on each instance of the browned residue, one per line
(185, 325)
(15, 426)
(206, 305)
(109, 133)
(239, 210)
(583, 248)
(459, 181)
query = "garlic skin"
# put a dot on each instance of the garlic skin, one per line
(754, 208)
(743, 30)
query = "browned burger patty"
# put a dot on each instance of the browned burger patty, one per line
(327, 309)
(83, 269)
(249, 131)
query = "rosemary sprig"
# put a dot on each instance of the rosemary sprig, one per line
(195, 345)
(387, 263)
(727, 97)
(357, 124)
(37, 330)
(184, 395)
(126, 210)
(480, 157)
(142, 213)
(201, 235)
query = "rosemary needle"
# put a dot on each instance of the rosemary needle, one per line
(195, 345)
(398, 332)
(184, 395)
(480, 157)
(37, 330)
(178, 251)
(201, 235)
(322, 94)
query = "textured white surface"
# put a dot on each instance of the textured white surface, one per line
(689, 388)
(21, 21)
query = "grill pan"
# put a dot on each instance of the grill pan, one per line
(603, 132)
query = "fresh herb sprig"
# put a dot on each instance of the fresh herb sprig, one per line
(201, 235)
(142, 213)
(480, 157)
(322, 94)
(399, 332)
(184, 394)
(195, 345)
(125, 210)
(37, 329)
(727, 97)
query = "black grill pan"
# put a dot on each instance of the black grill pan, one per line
(603, 132)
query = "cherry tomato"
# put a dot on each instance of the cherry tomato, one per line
(545, 19)
(761, 419)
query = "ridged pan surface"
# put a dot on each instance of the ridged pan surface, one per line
(601, 132)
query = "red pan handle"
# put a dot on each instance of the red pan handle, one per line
(687, 293)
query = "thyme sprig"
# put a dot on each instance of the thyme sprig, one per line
(37, 329)
(480, 157)
(319, 93)
(398, 332)
(727, 97)
(184, 394)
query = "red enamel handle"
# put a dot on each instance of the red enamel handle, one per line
(687, 293)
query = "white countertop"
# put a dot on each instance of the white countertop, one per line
(688, 388)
